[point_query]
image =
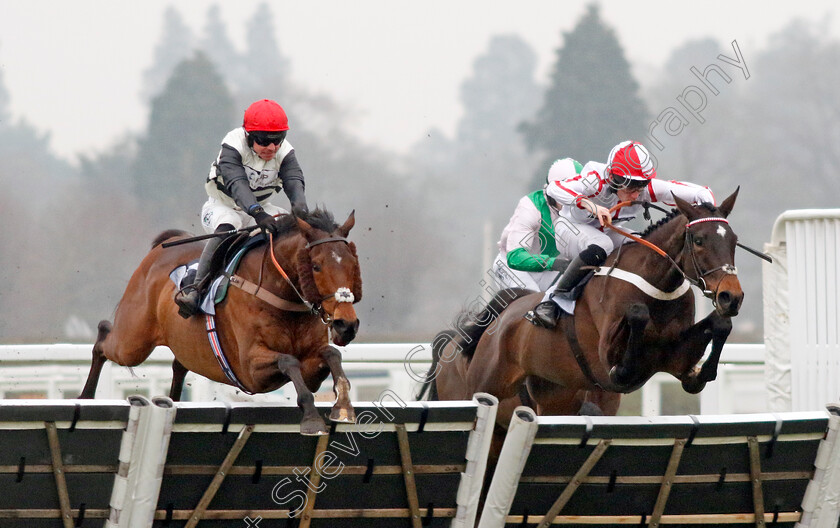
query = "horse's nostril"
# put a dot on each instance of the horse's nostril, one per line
(341, 325)
(724, 298)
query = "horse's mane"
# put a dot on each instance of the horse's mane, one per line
(319, 219)
(659, 223)
(673, 213)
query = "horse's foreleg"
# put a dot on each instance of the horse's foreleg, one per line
(624, 373)
(342, 411)
(599, 402)
(312, 423)
(97, 361)
(179, 372)
(714, 328)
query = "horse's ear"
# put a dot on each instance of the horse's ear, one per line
(344, 230)
(685, 208)
(305, 228)
(727, 205)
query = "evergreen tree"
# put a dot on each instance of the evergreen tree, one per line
(592, 102)
(216, 44)
(498, 96)
(470, 185)
(176, 44)
(266, 69)
(187, 122)
(4, 100)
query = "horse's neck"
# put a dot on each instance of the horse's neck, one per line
(286, 256)
(670, 238)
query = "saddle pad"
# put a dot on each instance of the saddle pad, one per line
(218, 288)
(209, 301)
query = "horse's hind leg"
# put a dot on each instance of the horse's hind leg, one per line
(342, 411)
(636, 317)
(312, 423)
(179, 372)
(97, 362)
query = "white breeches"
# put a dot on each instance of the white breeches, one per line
(214, 213)
(572, 239)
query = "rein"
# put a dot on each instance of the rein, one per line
(699, 282)
(341, 294)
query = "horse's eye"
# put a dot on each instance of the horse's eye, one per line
(698, 241)
(316, 268)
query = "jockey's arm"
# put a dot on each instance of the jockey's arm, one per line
(293, 183)
(521, 259)
(691, 192)
(235, 180)
(600, 212)
(523, 246)
(572, 192)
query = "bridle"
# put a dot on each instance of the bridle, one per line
(699, 281)
(341, 295)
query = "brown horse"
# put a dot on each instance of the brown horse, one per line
(620, 335)
(306, 282)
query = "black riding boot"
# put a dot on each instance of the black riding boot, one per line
(189, 297)
(546, 313)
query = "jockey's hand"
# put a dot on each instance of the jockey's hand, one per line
(559, 264)
(300, 211)
(266, 222)
(601, 213)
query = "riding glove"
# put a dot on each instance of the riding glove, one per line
(264, 220)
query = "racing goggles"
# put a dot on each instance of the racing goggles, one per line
(622, 182)
(265, 139)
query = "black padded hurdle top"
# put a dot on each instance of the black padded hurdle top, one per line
(684, 470)
(356, 476)
(231, 464)
(58, 457)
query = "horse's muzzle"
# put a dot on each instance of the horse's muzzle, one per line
(729, 296)
(344, 331)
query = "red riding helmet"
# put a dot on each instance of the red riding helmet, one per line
(630, 160)
(266, 116)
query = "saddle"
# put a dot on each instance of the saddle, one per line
(223, 264)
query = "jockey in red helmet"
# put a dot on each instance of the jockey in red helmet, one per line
(255, 162)
(586, 199)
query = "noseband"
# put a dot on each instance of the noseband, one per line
(341, 295)
(700, 282)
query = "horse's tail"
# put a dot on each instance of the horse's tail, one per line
(166, 235)
(429, 387)
(471, 325)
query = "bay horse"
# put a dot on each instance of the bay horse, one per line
(620, 335)
(293, 292)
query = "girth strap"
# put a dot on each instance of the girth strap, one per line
(216, 345)
(265, 295)
(568, 322)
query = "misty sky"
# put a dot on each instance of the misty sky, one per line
(75, 68)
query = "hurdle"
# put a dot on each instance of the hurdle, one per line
(58, 461)
(141, 462)
(776, 470)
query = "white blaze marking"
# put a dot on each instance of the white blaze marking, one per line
(336, 257)
(721, 231)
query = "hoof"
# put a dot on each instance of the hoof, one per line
(693, 385)
(313, 427)
(343, 415)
